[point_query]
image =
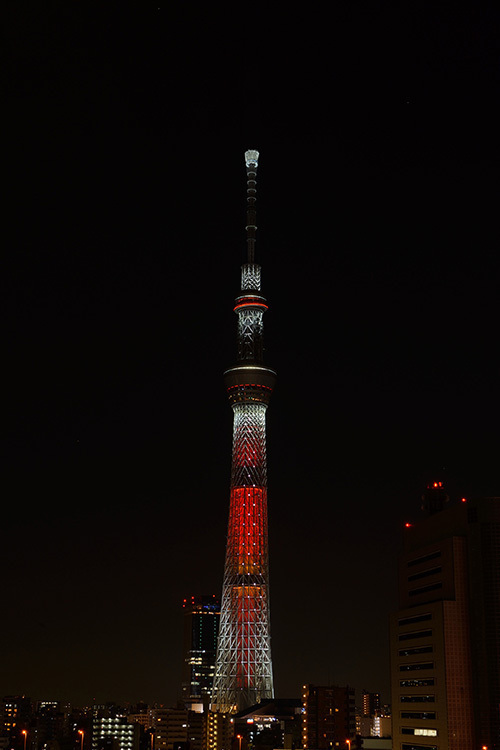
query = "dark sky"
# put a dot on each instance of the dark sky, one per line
(124, 134)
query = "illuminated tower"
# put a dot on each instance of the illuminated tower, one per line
(243, 674)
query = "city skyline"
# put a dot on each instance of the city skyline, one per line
(378, 193)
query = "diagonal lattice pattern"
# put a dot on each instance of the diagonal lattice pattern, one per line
(250, 277)
(243, 673)
(244, 668)
(249, 467)
(250, 335)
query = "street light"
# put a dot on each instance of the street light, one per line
(25, 734)
(348, 743)
(82, 734)
(239, 738)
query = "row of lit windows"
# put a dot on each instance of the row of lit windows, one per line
(429, 682)
(419, 732)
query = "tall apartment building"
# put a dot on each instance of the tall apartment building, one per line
(112, 731)
(201, 629)
(219, 731)
(178, 727)
(370, 703)
(445, 638)
(16, 713)
(328, 718)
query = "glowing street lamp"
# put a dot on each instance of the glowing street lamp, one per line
(82, 734)
(25, 734)
(348, 744)
(239, 738)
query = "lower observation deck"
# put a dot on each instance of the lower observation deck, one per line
(249, 383)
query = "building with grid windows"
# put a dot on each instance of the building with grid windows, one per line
(328, 717)
(445, 638)
(111, 730)
(201, 628)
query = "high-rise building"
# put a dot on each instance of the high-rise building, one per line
(243, 674)
(328, 717)
(15, 716)
(371, 703)
(219, 731)
(112, 731)
(178, 728)
(445, 638)
(201, 628)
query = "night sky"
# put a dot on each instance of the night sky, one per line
(123, 142)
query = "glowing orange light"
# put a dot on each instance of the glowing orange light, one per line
(408, 525)
(464, 500)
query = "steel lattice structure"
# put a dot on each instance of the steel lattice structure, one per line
(243, 673)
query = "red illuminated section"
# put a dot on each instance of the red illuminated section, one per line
(247, 537)
(250, 301)
(247, 609)
(249, 385)
(247, 553)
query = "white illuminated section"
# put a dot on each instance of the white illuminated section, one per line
(425, 732)
(250, 277)
(251, 158)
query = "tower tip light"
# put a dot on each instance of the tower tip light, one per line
(251, 158)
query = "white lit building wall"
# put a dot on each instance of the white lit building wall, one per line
(118, 728)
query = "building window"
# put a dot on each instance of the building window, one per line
(417, 683)
(425, 558)
(415, 618)
(413, 651)
(425, 573)
(418, 715)
(415, 634)
(417, 699)
(424, 589)
(419, 665)
(419, 732)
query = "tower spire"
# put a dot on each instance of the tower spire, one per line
(251, 161)
(243, 673)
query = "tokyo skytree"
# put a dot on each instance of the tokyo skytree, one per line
(243, 673)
